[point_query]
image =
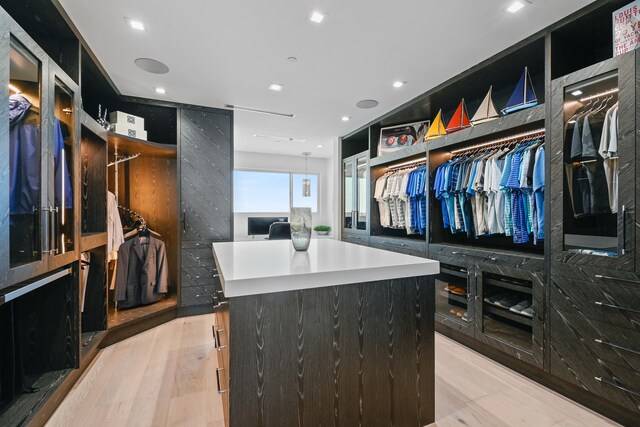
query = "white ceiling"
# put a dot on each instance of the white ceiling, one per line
(228, 52)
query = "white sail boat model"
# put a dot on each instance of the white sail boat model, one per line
(487, 110)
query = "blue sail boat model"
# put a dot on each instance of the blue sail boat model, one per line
(523, 96)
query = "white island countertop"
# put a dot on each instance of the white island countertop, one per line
(261, 267)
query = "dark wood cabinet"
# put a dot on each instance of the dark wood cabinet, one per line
(595, 338)
(206, 207)
(604, 235)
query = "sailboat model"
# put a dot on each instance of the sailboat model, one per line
(487, 110)
(523, 96)
(437, 129)
(460, 119)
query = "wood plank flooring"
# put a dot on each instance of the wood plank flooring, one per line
(166, 377)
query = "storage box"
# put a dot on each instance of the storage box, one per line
(131, 121)
(124, 129)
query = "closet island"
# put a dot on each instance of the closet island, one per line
(340, 334)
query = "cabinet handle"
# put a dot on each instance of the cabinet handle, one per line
(624, 229)
(184, 220)
(610, 344)
(617, 307)
(220, 346)
(220, 391)
(603, 381)
(54, 215)
(600, 276)
(215, 339)
(472, 256)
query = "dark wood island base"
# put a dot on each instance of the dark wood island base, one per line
(349, 355)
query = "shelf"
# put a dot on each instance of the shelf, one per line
(90, 341)
(450, 272)
(452, 318)
(91, 124)
(92, 240)
(136, 314)
(454, 297)
(400, 155)
(507, 285)
(129, 146)
(499, 126)
(506, 314)
(25, 405)
(509, 334)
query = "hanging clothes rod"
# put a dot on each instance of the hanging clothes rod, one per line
(123, 159)
(537, 132)
(143, 222)
(407, 164)
(600, 95)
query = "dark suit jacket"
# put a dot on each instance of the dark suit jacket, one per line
(142, 277)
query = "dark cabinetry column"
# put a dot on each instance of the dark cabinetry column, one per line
(206, 168)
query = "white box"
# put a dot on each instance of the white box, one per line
(125, 119)
(123, 129)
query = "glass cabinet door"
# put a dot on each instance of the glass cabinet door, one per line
(593, 150)
(591, 203)
(25, 186)
(347, 194)
(355, 182)
(63, 218)
(361, 193)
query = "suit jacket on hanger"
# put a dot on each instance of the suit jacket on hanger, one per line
(142, 274)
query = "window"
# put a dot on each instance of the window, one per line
(266, 192)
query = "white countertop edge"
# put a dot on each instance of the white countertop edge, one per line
(275, 284)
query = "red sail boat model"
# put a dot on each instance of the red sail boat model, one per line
(460, 119)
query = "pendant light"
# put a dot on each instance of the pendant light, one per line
(306, 182)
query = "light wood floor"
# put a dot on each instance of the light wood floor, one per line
(165, 377)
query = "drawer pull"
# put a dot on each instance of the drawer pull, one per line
(220, 391)
(220, 346)
(610, 344)
(601, 304)
(472, 256)
(603, 381)
(600, 276)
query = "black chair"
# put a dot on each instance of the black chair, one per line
(280, 231)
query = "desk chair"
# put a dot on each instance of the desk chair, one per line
(280, 231)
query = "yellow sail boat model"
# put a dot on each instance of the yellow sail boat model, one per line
(437, 128)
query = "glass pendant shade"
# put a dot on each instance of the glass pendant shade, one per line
(306, 187)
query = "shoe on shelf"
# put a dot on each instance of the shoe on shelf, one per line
(522, 305)
(507, 302)
(459, 314)
(527, 311)
(493, 298)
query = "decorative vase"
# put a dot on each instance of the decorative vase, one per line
(322, 233)
(300, 220)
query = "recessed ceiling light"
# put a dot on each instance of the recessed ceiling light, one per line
(275, 87)
(316, 17)
(346, 118)
(576, 93)
(320, 146)
(135, 24)
(398, 84)
(161, 90)
(292, 59)
(515, 6)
